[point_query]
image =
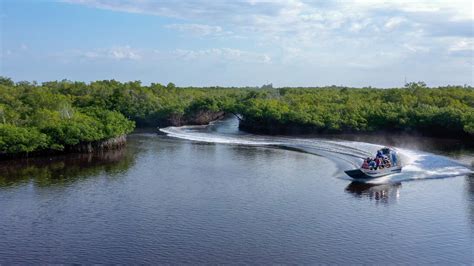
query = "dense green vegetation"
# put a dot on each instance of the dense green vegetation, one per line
(36, 118)
(447, 111)
(57, 115)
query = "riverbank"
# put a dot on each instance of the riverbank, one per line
(83, 147)
(297, 130)
(202, 117)
(198, 118)
(416, 109)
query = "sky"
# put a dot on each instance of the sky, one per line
(240, 42)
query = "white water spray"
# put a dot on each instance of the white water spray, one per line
(347, 154)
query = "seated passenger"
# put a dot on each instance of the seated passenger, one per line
(365, 164)
(372, 165)
(379, 154)
(381, 163)
(378, 162)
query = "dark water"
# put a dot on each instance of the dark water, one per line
(234, 198)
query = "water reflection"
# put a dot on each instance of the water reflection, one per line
(470, 196)
(385, 193)
(64, 169)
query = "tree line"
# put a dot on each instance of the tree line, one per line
(59, 114)
(55, 115)
(442, 111)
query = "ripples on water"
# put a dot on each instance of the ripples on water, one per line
(218, 195)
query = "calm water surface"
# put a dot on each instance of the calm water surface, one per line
(216, 195)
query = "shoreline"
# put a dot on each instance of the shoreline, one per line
(301, 130)
(375, 137)
(207, 117)
(81, 148)
(200, 118)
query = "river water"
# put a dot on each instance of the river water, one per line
(217, 195)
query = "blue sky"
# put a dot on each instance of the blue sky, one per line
(239, 42)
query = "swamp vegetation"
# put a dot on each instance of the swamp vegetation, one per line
(53, 116)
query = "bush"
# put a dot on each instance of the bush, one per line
(15, 139)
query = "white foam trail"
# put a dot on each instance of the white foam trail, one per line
(348, 154)
(420, 165)
(182, 133)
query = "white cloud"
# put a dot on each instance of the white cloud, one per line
(458, 9)
(114, 53)
(123, 52)
(463, 50)
(356, 33)
(197, 29)
(462, 45)
(296, 19)
(223, 54)
(416, 48)
(394, 22)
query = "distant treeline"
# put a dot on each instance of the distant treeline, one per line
(443, 111)
(58, 114)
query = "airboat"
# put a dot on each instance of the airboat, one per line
(386, 162)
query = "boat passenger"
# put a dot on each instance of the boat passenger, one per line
(394, 157)
(378, 162)
(365, 164)
(372, 164)
(379, 154)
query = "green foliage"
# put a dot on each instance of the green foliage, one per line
(446, 111)
(200, 104)
(58, 114)
(68, 113)
(36, 117)
(111, 123)
(15, 139)
(6, 81)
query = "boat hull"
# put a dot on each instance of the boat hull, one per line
(370, 174)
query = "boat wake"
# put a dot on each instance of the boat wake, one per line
(346, 154)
